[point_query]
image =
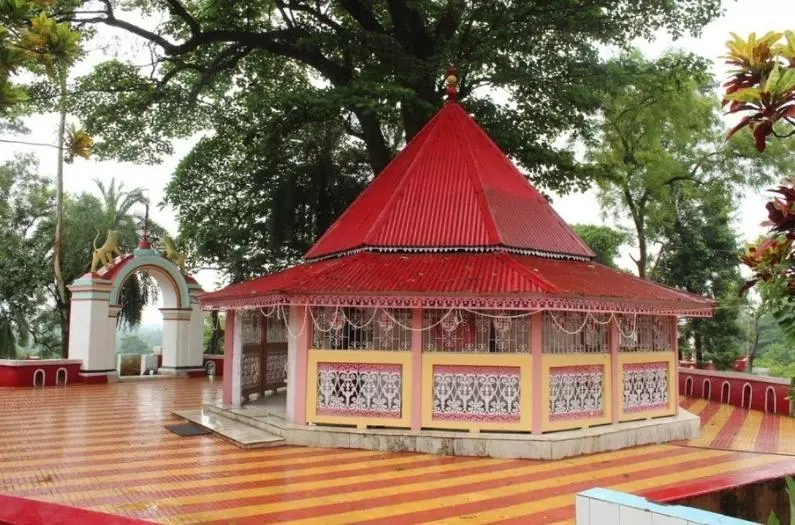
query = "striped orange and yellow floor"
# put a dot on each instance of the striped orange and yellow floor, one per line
(104, 447)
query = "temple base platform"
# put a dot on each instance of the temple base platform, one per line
(555, 445)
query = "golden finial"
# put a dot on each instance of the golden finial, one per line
(452, 84)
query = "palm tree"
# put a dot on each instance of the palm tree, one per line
(117, 203)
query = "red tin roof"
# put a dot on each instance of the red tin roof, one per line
(427, 279)
(451, 188)
(452, 223)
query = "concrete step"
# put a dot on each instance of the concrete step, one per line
(239, 433)
(252, 416)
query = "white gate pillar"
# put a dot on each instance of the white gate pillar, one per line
(176, 342)
(195, 356)
(92, 329)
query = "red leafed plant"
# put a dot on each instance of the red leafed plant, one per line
(772, 257)
(762, 84)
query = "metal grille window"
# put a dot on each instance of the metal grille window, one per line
(361, 329)
(645, 333)
(462, 331)
(575, 332)
(251, 321)
(276, 328)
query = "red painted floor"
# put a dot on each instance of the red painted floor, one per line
(104, 448)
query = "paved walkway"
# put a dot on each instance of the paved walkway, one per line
(104, 447)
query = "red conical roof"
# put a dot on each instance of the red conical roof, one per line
(451, 188)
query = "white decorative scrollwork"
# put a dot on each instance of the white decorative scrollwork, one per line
(463, 331)
(365, 390)
(576, 392)
(276, 367)
(645, 333)
(251, 373)
(645, 386)
(476, 393)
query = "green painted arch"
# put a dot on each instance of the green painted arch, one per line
(173, 286)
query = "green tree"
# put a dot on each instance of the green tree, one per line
(26, 200)
(605, 241)
(268, 199)
(661, 134)
(380, 65)
(87, 218)
(214, 333)
(132, 344)
(33, 42)
(699, 254)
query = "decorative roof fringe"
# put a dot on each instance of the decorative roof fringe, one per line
(451, 249)
(589, 305)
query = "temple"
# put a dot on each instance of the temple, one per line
(451, 296)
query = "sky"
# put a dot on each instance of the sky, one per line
(741, 16)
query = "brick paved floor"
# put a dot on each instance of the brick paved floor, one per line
(104, 447)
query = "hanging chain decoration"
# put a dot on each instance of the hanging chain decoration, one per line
(451, 317)
(590, 317)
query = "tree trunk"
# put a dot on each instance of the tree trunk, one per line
(698, 347)
(377, 149)
(415, 113)
(60, 285)
(643, 255)
(754, 342)
(216, 336)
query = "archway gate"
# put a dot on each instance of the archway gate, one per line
(96, 306)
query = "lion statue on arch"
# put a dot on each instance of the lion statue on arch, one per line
(107, 252)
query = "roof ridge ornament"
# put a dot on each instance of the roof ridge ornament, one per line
(452, 84)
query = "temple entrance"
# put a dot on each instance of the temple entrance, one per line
(96, 304)
(264, 360)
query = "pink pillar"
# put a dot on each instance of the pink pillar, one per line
(301, 326)
(416, 370)
(537, 350)
(616, 380)
(675, 346)
(229, 332)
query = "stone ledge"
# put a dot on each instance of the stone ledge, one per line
(555, 445)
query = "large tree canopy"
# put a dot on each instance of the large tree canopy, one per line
(661, 133)
(379, 63)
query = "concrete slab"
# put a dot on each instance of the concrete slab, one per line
(241, 434)
(555, 445)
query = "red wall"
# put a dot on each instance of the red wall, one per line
(737, 382)
(219, 363)
(23, 375)
(20, 511)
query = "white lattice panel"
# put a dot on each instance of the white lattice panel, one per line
(250, 370)
(476, 393)
(355, 389)
(576, 392)
(276, 366)
(645, 386)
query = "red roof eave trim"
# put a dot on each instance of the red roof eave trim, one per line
(696, 308)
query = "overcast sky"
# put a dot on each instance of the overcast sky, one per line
(741, 16)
